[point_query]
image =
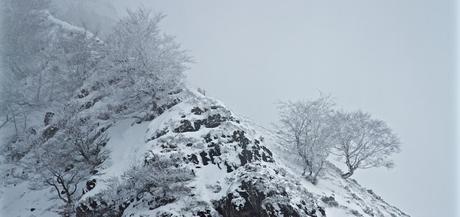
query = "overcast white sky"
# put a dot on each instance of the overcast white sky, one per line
(392, 58)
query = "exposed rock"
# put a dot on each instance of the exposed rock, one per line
(49, 132)
(229, 160)
(186, 126)
(330, 201)
(197, 111)
(48, 118)
(83, 93)
(257, 200)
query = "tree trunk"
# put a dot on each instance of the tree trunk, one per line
(39, 88)
(347, 174)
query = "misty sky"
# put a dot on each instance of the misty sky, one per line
(392, 58)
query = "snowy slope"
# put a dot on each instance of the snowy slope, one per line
(351, 197)
(240, 169)
(18, 197)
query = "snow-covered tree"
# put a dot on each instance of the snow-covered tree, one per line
(87, 141)
(21, 44)
(160, 176)
(22, 40)
(48, 62)
(161, 179)
(44, 61)
(55, 167)
(140, 59)
(307, 126)
(68, 151)
(364, 142)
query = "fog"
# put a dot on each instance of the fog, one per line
(394, 59)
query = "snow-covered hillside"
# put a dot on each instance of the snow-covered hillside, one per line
(239, 169)
(181, 154)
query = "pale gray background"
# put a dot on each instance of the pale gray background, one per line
(392, 58)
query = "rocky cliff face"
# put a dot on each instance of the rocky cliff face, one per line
(235, 168)
(238, 169)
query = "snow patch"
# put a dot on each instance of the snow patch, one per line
(127, 148)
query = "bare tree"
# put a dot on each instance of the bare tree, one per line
(55, 166)
(363, 142)
(307, 126)
(64, 158)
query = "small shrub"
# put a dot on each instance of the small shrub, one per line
(330, 201)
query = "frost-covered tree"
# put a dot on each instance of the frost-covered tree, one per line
(72, 58)
(47, 68)
(160, 180)
(44, 61)
(21, 32)
(55, 167)
(21, 44)
(160, 176)
(68, 151)
(307, 126)
(141, 60)
(364, 142)
(87, 141)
